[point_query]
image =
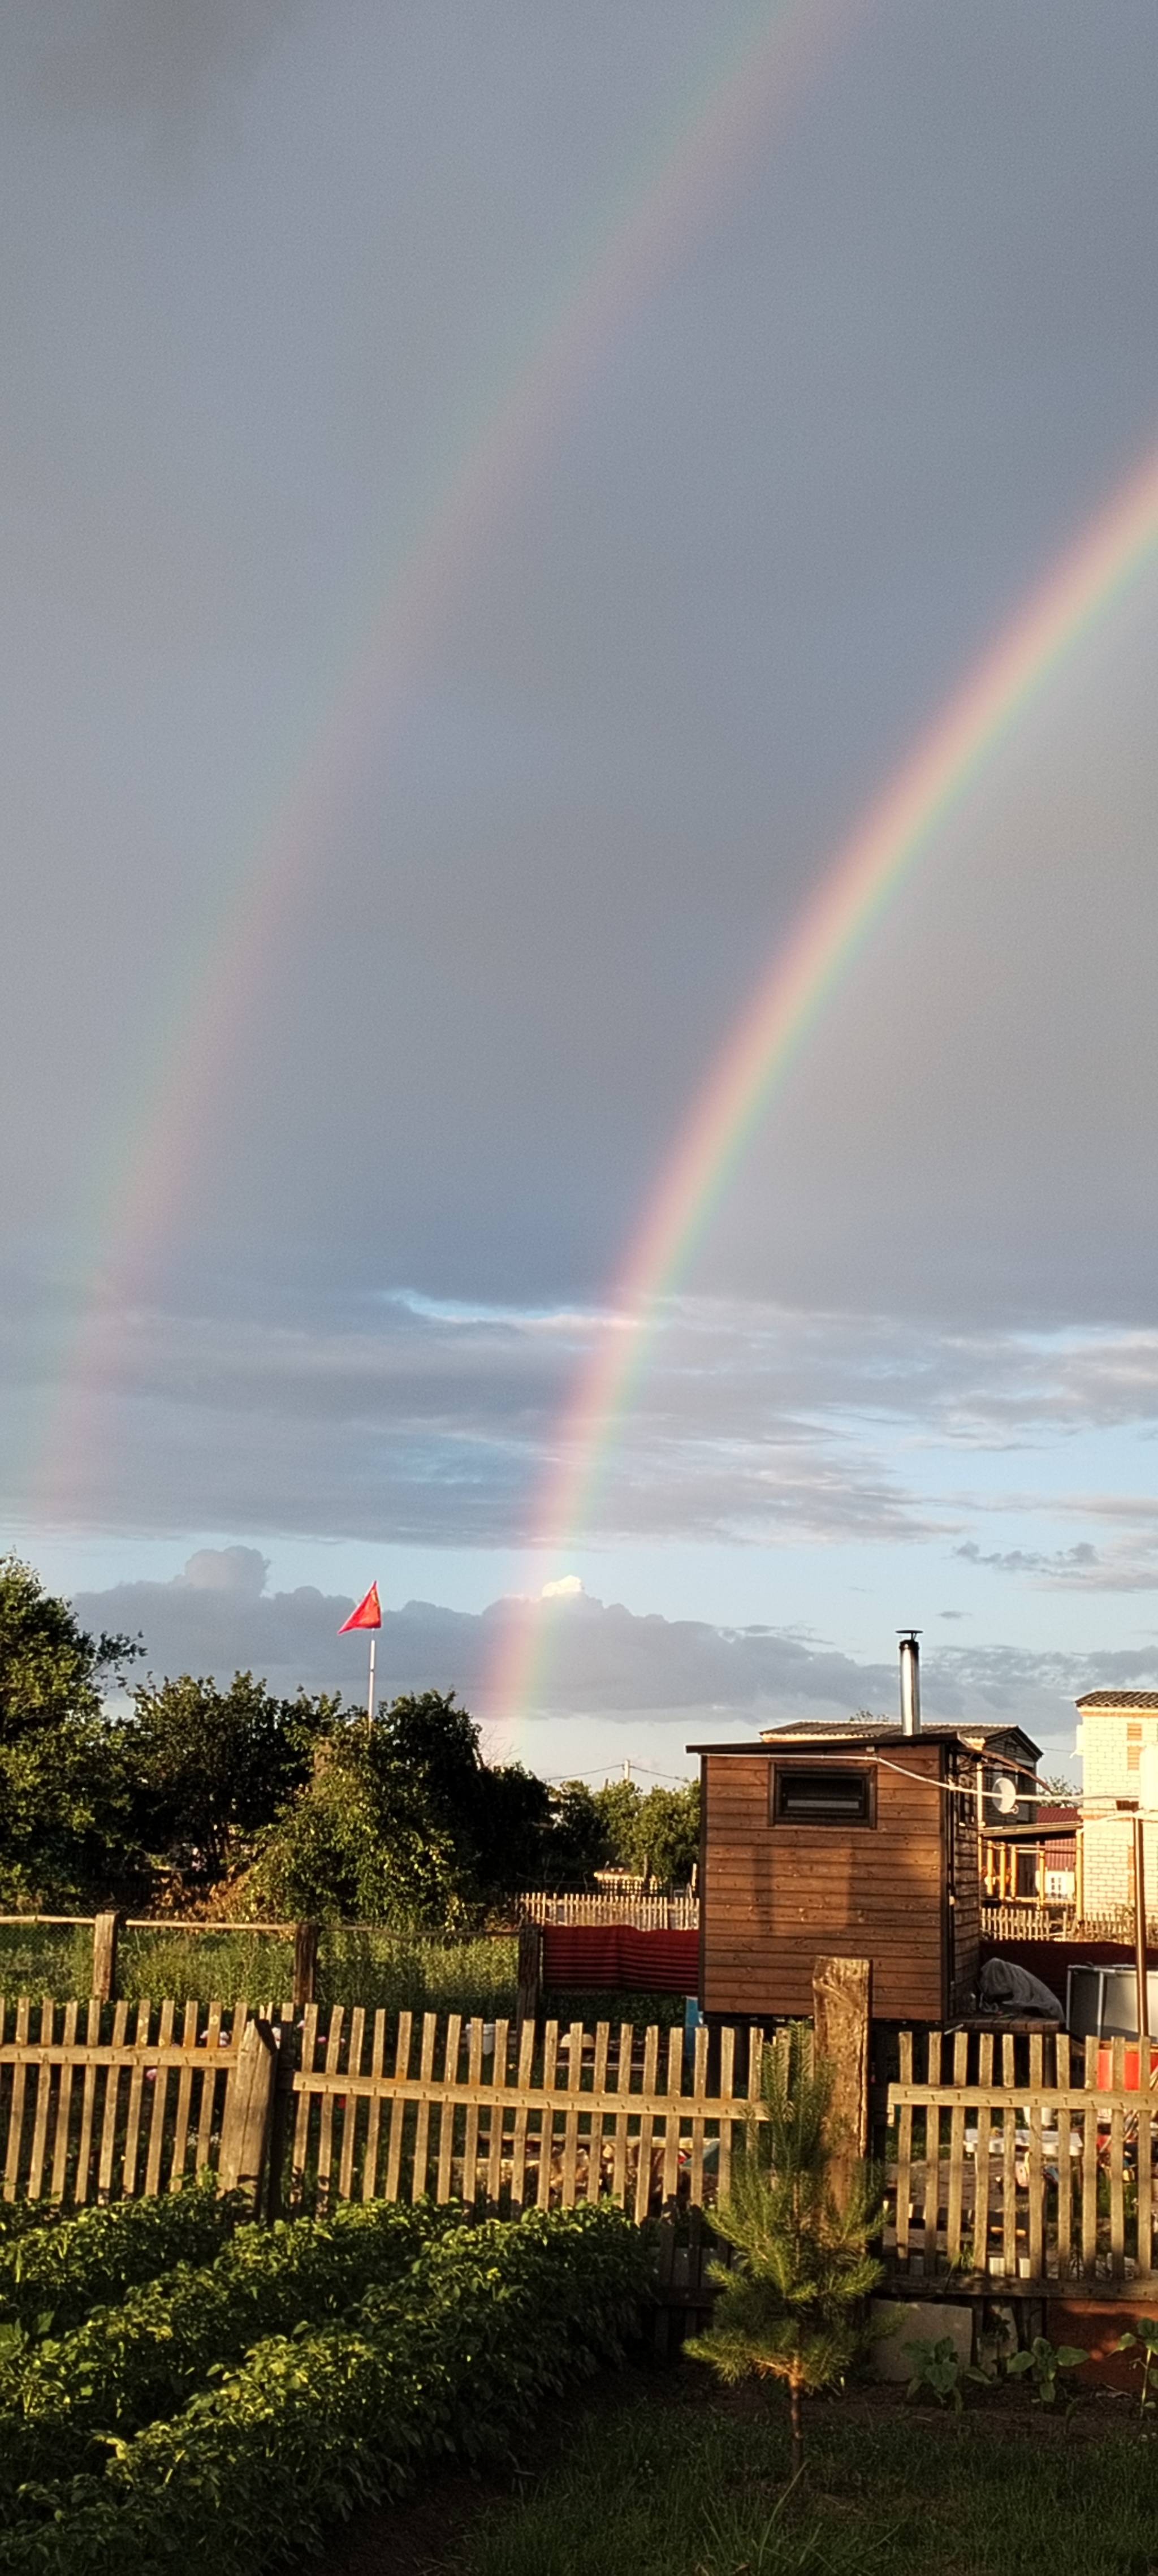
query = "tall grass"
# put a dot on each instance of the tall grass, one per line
(355, 1966)
(378, 1969)
(45, 1959)
(225, 1967)
(395, 1973)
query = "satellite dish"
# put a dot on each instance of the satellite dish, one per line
(1004, 1794)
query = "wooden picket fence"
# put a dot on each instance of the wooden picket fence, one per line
(100, 2102)
(1023, 2162)
(1055, 1918)
(538, 2117)
(644, 1913)
(91, 2110)
(1035, 2172)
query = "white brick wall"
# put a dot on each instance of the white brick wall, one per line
(1110, 1741)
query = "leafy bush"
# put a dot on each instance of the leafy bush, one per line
(70, 2264)
(449, 2359)
(146, 2357)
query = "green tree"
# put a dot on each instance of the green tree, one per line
(791, 2308)
(66, 1825)
(657, 1834)
(212, 1767)
(618, 1803)
(515, 1825)
(404, 1823)
(360, 1844)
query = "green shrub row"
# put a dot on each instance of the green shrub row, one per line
(450, 2359)
(67, 2265)
(146, 2356)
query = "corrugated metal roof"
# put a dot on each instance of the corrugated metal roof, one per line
(1119, 1699)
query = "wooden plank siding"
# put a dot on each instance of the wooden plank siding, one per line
(774, 1896)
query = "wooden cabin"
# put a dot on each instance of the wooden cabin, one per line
(851, 1839)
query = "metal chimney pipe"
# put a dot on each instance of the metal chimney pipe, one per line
(910, 1683)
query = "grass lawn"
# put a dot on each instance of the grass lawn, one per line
(660, 2473)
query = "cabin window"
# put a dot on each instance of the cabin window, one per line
(825, 1795)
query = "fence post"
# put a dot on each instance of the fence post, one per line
(305, 1964)
(248, 2105)
(530, 1979)
(840, 2006)
(281, 2117)
(104, 1956)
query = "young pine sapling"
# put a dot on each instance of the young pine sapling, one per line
(792, 2306)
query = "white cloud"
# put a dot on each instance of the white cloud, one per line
(236, 1570)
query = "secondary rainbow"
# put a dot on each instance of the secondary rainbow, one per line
(199, 1023)
(859, 887)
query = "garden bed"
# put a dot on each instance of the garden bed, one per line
(237, 2406)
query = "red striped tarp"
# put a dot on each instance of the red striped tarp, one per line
(615, 1954)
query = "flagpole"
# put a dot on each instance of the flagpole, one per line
(368, 1614)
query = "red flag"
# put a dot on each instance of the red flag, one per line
(367, 1615)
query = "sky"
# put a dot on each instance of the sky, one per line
(471, 553)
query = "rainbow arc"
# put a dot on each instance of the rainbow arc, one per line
(859, 888)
